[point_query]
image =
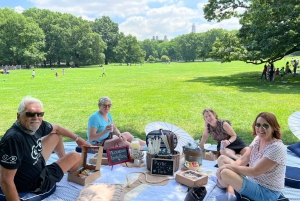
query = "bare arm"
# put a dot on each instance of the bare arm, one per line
(229, 130)
(7, 184)
(204, 136)
(93, 135)
(65, 132)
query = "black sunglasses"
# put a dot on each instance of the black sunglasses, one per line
(32, 114)
(264, 126)
(106, 106)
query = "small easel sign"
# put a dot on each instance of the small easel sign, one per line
(162, 167)
(117, 155)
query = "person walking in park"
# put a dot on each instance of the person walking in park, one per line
(103, 71)
(25, 148)
(264, 73)
(282, 72)
(63, 72)
(56, 75)
(33, 74)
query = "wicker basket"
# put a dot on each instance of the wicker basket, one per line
(175, 156)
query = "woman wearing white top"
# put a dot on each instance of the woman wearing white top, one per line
(266, 156)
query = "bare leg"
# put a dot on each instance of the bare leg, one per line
(53, 142)
(229, 152)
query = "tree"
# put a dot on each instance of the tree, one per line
(187, 45)
(206, 41)
(109, 32)
(21, 39)
(165, 58)
(228, 48)
(128, 50)
(269, 28)
(149, 47)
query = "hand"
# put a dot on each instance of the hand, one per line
(81, 142)
(109, 128)
(123, 138)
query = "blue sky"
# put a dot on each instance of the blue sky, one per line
(141, 18)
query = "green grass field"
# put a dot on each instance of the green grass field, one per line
(175, 93)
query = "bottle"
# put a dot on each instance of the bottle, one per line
(135, 146)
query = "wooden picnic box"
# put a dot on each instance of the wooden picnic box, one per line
(74, 176)
(93, 159)
(191, 178)
(211, 155)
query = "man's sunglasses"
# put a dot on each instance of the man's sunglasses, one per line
(32, 114)
(264, 126)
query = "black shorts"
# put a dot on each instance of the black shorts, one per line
(48, 178)
(236, 145)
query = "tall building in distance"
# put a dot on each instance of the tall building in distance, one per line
(193, 28)
(155, 38)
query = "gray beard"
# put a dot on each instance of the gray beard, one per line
(24, 129)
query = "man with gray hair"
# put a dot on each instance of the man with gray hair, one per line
(25, 148)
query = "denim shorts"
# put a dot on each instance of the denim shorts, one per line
(254, 191)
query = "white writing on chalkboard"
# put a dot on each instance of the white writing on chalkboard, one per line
(162, 166)
(118, 155)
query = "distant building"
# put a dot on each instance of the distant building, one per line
(155, 38)
(193, 28)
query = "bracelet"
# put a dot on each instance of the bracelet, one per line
(229, 141)
(77, 138)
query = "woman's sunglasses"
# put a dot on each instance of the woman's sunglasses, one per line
(264, 126)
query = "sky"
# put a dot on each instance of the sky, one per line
(141, 18)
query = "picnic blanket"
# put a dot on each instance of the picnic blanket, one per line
(172, 191)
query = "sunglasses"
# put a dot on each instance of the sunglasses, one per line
(32, 114)
(264, 126)
(106, 106)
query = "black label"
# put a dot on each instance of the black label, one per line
(162, 166)
(118, 155)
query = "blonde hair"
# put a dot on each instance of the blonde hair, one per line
(211, 111)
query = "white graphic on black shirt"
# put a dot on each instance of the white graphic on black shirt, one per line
(36, 150)
(9, 159)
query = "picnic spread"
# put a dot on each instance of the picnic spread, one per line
(164, 172)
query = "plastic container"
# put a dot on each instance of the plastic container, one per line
(194, 154)
(135, 146)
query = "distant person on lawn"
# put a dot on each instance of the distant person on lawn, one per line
(26, 147)
(102, 131)
(221, 131)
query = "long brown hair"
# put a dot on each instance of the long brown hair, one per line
(271, 119)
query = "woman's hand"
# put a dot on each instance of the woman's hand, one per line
(122, 137)
(109, 128)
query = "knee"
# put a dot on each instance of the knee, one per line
(75, 156)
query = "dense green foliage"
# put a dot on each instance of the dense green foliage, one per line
(270, 29)
(175, 93)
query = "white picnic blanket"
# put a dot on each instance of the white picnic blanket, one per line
(172, 191)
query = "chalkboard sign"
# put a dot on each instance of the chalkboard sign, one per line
(162, 166)
(118, 155)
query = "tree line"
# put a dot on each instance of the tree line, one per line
(40, 36)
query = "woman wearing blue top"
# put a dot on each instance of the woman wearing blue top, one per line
(102, 130)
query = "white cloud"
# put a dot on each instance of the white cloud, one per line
(142, 18)
(19, 9)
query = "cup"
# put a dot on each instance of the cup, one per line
(137, 162)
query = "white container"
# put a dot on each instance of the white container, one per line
(135, 146)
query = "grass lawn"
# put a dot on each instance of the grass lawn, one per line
(175, 93)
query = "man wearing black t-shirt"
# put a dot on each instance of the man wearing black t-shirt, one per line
(25, 148)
